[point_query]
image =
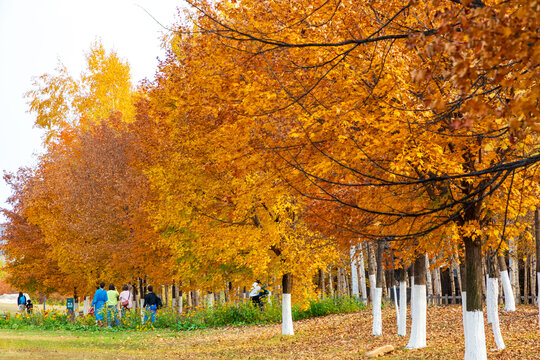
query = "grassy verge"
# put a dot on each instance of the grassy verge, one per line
(218, 316)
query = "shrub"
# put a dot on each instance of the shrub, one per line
(168, 318)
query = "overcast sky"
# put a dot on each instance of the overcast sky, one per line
(35, 34)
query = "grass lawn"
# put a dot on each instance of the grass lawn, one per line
(345, 336)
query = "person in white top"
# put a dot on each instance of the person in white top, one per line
(254, 293)
(125, 299)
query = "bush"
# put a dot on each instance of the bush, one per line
(168, 318)
(327, 306)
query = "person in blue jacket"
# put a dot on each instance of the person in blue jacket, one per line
(100, 298)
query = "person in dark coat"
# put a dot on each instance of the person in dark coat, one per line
(151, 303)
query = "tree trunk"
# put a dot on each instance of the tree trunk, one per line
(532, 276)
(189, 300)
(377, 297)
(372, 268)
(437, 288)
(458, 271)
(323, 285)
(209, 300)
(341, 281)
(330, 282)
(452, 282)
(180, 303)
(286, 306)
(417, 338)
(475, 338)
(537, 236)
(429, 282)
(402, 319)
(320, 286)
(514, 271)
(526, 280)
(86, 305)
(492, 304)
(509, 299)
(354, 273)
(362, 273)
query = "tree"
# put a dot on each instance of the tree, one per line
(58, 100)
(423, 120)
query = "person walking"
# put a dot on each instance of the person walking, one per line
(21, 302)
(100, 298)
(125, 299)
(254, 294)
(151, 303)
(112, 303)
(29, 307)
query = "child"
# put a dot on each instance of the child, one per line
(29, 306)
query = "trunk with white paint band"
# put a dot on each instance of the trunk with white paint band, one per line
(377, 301)
(509, 302)
(417, 337)
(372, 268)
(362, 273)
(396, 304)
(377, 312)
(475, 339)
(286, 306)
(372, 282)
(402, 316)
(537, 236)
(489, 303)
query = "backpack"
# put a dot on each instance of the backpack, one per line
(22, 300)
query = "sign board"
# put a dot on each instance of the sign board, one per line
(70, 304)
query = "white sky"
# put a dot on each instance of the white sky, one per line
(35, 34)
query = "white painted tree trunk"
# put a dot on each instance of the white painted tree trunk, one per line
(209, 300)
(475, 339)
(513, 269)
(86, 305)
(402, 320)
(489, 302)
(412, 295)
(509, 303)
(417, 338)
(396, 305)
(354, 273)
(377, 311)
(493, 310)
(372, 283)
(286, 316)
(538, 298)
(362, 272)
(463, 307)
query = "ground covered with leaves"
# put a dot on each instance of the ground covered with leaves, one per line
(344, 336)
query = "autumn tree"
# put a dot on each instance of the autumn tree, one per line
(59, 100)
(404, 103)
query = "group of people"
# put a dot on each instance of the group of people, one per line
(24, 304)
(105, 303)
